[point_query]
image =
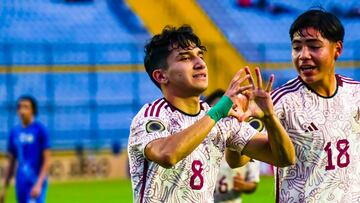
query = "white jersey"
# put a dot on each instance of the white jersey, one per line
(224, 192)
(192, 179)
(326, 135)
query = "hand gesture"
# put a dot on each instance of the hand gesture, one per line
(235, 91)
(259, 100)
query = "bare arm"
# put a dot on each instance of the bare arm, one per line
(276, 148)
(44, 167)
(169, 150)
(9, 172)
(235, 159)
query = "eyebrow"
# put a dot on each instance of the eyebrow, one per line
(306, 40)
(190, 53)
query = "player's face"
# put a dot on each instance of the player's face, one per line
(25, 111)
(187, 71)
(314, 56)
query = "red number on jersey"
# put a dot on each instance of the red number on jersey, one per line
(342, 146)
(223, 186)
(196, 168)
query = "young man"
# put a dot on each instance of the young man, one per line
(28, 152)
(234, 180)
(320, 110)
(176, 143)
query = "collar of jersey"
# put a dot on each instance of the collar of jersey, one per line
(173, 107)
(331, 96)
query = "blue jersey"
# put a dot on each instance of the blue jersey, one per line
(27, 146)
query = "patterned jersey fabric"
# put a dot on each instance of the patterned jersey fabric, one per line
(326, 135)
(192, 179)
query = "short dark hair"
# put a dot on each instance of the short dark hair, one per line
(329, 26)
(160, 46)
(32, 101)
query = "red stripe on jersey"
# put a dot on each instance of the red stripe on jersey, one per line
(347, 80)
(277, 187)
(159, 108)
(201, 105)
(154, 104)
(147, 110)
(294, 88)
(169, 106)
(286, 85)
(142, 191)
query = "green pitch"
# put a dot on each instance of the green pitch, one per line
(119, 191)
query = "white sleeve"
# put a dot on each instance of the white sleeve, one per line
(144, 130)
(239, 134)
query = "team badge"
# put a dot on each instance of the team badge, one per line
(256, 123)
(154, 126)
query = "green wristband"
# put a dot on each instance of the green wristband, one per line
(221, 109)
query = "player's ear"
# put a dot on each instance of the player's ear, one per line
(160, 76)
(339, 49)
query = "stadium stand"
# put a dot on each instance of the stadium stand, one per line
(60, 52)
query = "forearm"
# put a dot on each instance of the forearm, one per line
(44, 168)
(235, 159)
(248, 188)
(177, 146)
(9, 172)
(281, 147)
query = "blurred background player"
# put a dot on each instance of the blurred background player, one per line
(321, 112)
(176, 143)
(29, 154)
(234, 180)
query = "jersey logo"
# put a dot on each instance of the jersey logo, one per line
(312, 127)
(257, 124)
(26, 138)
(357, 116)
(154, 126)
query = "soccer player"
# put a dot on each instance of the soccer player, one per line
(28, 152)
(239, 175)
(321, 112)
(177, 142)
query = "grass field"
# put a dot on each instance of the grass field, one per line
(119, 191)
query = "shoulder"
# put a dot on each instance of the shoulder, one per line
(286, 89)
(346, 81)
(154, 110)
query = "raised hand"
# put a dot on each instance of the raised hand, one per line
(259, 100)
(235, 91)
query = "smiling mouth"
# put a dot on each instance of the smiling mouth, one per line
(307, 68)
(199, 76)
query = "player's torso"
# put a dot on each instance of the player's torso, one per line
(224, 184)
(192, 179)
(28, 151)
(326, 136)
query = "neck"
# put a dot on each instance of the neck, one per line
(189, 105)
(26, 122)
(327, 87)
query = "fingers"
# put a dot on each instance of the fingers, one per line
(243, 88)
(251, 79)
(237, 76)
(245, 116)
(270, 83)
(259, 78)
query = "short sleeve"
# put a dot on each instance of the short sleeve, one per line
(45, 141)
(11, 148)
(144, 130)
(253, 171)
(239, 134)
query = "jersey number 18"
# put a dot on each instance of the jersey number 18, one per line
(342, 146)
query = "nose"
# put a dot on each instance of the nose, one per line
(199, 63)
(304, 53)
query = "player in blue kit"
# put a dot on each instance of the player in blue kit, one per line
(28, 149)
